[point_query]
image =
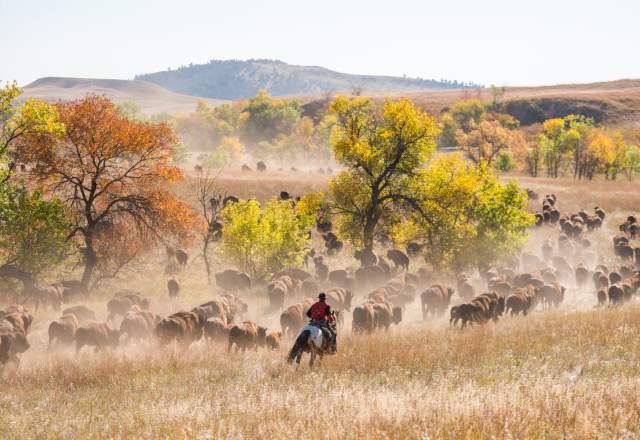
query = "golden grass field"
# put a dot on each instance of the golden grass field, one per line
(573, 372)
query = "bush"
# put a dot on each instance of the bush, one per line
(504, 162)
(264, 240)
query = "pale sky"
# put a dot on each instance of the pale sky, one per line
(504, 42)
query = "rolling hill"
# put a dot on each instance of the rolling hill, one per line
(150, 97)
(610, 101)
(233, 79)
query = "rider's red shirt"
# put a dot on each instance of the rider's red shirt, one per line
(320, 311)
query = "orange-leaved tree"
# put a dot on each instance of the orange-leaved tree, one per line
(115, 175)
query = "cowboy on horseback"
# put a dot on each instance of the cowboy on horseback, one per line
(322, 316)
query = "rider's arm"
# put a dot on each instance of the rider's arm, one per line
(309, 313)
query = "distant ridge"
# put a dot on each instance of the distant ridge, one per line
(150, 97)
(234, 79)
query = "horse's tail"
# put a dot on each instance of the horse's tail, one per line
(298, 346)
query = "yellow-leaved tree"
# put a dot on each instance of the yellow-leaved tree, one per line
(264, 239)
(382, 147)
(466, 216)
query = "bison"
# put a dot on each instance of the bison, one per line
(63, 330)
(99, 335)
(233, 280)
(435, 300)
(243, 337)
(82, 313)
(399, 258)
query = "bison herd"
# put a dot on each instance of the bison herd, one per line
(377, 290)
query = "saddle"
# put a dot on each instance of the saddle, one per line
(327, 337)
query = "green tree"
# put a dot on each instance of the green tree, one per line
(504, 162)
(632, 162)
(19, 121)
(488, 140)
(466, 216)
(33, 232)
(497, 93)
(448, 131)
(557, 142)
(262, 240)
(382, 148)
(468, 113)
(266, 118)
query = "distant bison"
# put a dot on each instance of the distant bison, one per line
(82, 313)
(216, 329)
(99, 335)
(399, 258)
(280, 289)
(120, 304)
(63, 330)
(243, 337)
(173, 286)
(435, 300)
(183, 327)
(233, 280)
(138, 324)
(363, 319)
(12, 343)
(294, 317)
(339, 298)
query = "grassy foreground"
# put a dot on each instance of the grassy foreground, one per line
(549, 375)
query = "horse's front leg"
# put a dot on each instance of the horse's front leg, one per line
(312, 359)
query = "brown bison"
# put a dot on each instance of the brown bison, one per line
(399, 258)
(233, 280)
(138, 324)
(371, 276)
(281, 289)
(63, 330)
(435, 300)
(363, 319)
(582, 275)
(294, 317)
(243, 337)
(339, 298)
(216, 329)
(120, 304)
(322, 270)
(48, 296)
(602, 297)
(183, 327)
(523, 300)
(237, 307)
(272, 340)
(173, 287)
(217, 308)
(12, 343)
(551, 295)
(616, 295)
(465, 289)
(467, 313)
(98, 335)
(16, 318)
(384, 314)
(82, 313)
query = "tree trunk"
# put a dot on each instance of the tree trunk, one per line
(26, 278)
(90, 262)
(205, 257)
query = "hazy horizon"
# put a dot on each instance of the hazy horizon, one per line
(493, 43)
